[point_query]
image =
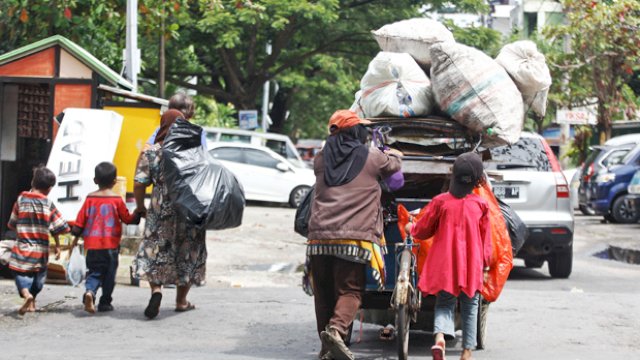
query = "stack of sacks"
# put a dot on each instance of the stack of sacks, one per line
(394, 85)
(529, 71)
(477, 92)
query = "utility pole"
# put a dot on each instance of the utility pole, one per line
(132, 53)
(161, 57)
(265, 99)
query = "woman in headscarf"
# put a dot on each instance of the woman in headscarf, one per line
(171, 252)
(345, 226)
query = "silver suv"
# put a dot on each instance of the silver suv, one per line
(527, 176)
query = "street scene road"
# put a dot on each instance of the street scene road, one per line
(254, 308)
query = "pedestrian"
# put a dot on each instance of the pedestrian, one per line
(183, 103)
(345, 226)
(33, 218)
(99, 224)
(458, 261)
(172, 252)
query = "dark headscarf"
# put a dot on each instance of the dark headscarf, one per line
(345, 154)
(168, 118)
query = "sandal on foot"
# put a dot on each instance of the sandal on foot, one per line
(387, 333)
(188, 307)
(153, 308)
(88, 303)
(437, 352)
(333, 341)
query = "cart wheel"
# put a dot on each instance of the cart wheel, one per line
(403, 320)
(347, 339)
(483, 311)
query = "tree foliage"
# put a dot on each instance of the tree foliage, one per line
(605, 48)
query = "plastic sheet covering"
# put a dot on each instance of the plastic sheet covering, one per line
(203, 191)
(518, 231)
(501, 257)
(303, 213)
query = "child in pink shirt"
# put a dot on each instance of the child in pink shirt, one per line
(458, 261)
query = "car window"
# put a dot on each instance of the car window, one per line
(278, 146)
(525, 154)
(260, 158)
(212, 136)
(615, 157)
(235, 138)
(227, 153)
(590, 160)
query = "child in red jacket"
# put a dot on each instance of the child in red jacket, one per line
(99, 224)
(458, 261)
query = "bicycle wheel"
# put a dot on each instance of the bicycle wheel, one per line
(403, 321)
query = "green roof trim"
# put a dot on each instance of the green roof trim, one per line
(74, 49)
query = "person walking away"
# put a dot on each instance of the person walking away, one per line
(183, 103)
(458, 261)
(99, 224)
(345, 226)
(33, 218)
(172, 251)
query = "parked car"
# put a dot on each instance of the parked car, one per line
(279, 143)
(601, 157)
(265, 175)
(607, 193)
(633, 197)
(573, 177)
(527, 176)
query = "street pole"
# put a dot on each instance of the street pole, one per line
(265, 98)
(132, 53)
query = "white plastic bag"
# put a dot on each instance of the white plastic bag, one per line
(412, 36)
(477, 92)
(5, 251)
(394, 85)
(77, 267)
(528, 69)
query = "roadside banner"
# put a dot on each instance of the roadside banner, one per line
(582, 116)
(86, 138)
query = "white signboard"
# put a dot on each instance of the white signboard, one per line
(576, 117)
(86, 138)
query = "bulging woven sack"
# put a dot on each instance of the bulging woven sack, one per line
(528, 69)
(477, 92)
(394, 85)
(412, 36)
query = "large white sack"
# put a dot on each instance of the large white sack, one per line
(412, 36)
(356, 107)
(477, 92)
(395, 85)
(528, 69)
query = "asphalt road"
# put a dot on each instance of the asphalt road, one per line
(253, 308)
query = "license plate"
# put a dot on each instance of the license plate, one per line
(506, 192)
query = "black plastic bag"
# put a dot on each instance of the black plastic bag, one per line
(518, 231)
(202, 190)
(303, 213)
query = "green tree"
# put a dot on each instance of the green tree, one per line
(605, 48)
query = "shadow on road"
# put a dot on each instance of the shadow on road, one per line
(523, 273)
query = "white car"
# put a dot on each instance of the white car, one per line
(264, 174)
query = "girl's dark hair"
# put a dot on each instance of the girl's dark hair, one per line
(183, 103)
(105, 174)
(43, 178)
(358, 132)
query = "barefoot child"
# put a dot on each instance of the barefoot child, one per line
(457, 263)
(34, 216)
(98, 222)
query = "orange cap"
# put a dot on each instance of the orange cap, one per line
(343, 119)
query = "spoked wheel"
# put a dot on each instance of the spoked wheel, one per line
(403, 321)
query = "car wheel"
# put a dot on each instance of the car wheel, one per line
(586, 210)
(533, 263)
(560, 263)
(622, 213)
(297, 195)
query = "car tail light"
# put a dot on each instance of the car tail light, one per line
(590, 172)
(559, 231)
(562, 186)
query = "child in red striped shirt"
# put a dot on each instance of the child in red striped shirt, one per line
(99, 224)
(34, 216)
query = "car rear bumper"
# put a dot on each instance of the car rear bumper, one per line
(544, 240)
